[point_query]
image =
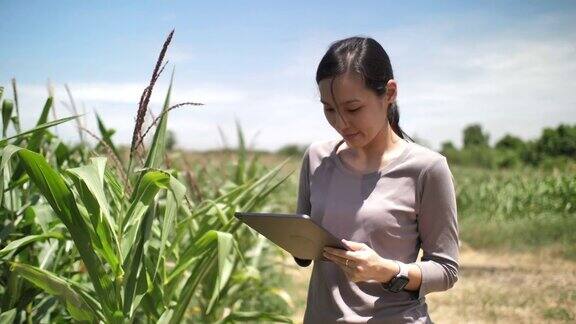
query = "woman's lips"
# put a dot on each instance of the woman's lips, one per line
(351, 136)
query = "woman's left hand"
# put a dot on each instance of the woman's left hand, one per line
(364, 264)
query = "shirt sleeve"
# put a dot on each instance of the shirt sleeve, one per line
(438, 229)
(303, 205)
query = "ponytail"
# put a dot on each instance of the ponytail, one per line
(394, 120)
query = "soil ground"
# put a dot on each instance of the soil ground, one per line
(493, 287)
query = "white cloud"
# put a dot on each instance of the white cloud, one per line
(129, 93)
(508, 85)
(515, 80)
(117, 104)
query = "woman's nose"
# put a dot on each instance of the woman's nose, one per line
(340, 119)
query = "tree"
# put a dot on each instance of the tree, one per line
(450, 152)
(170, 140)
(558, 142)
(291, 149)
(510, 142)
(475, 137)
(448, 146)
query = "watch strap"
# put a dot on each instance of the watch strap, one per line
(403, 269)
(399, 281)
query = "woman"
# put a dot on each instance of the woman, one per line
(385, 196)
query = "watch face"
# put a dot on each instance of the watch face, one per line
(398, 283)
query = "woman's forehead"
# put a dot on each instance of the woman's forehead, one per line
(346, 88)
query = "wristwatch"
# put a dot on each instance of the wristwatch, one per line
(399, 281)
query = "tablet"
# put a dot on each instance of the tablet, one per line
(298, 234)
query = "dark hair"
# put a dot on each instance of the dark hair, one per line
(367, 57)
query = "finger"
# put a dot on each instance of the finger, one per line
(341, 261)
(344, 254)
(354, 246)
(334, 258)
(352, 265)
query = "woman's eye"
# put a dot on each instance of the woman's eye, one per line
(349, 110)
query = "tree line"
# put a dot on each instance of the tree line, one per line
(556, 147)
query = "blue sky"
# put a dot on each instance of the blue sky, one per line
(509, 65)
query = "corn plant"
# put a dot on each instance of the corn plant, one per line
(509, 194)
(80, 241)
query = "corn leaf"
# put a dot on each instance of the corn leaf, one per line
(240, 175)
(175, 197)
(224, 243)
(8, 317)
(166, 316)
(36, 138)
(116, 196)
(7, 107)
(151, 183)
(226, 262)
(56, 286)
(6, 154)
(4, 141)
(89, 180)
(56, 192)
(137, 283)
(20, 243)
(107, 136)
(139, 221)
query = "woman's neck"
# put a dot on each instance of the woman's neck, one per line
(385, 146)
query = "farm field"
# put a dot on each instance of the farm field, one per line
(518, 261)
(95, 231)
(493, 287)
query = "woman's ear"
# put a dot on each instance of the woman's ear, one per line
(391, 90)
(389, 95)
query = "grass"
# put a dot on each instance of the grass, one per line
(522, 234)
(518, 210)
(508, 287)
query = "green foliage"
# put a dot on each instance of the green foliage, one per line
(448, 146)
(171, 140)
(510, 142)
(515, 193)
(78, 243)
(521, 208)
(556, 148)
(558, 142)
(291, 150)
(474, 136)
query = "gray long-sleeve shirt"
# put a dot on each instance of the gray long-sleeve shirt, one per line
(408, 204)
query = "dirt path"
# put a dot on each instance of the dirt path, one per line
(492, 288)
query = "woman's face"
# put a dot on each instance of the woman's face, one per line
(359, 114)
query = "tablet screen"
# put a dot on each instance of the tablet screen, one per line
(298, 234)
